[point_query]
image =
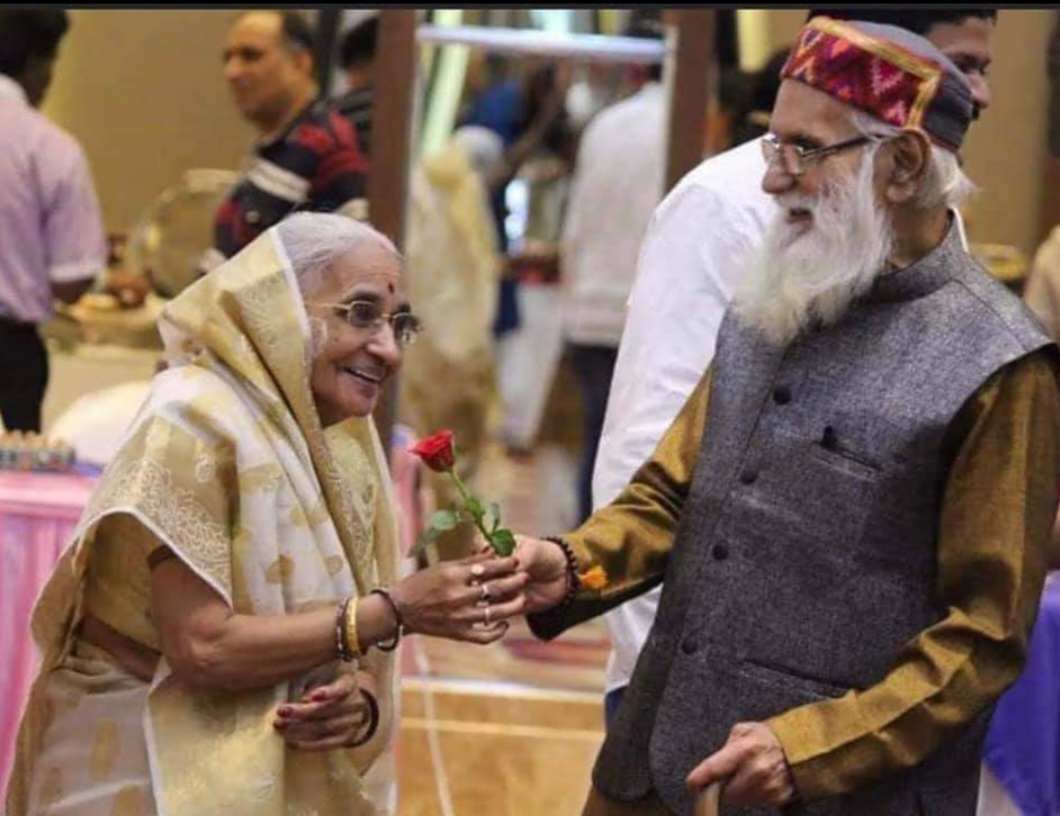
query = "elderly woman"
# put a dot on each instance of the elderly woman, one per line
(219, 637)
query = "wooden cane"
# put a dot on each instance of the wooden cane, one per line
(708, 802)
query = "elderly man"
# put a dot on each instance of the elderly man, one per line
(852, 510)
(690, 263)
(307, 156)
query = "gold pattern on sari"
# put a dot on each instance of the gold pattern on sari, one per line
(281, 571)
(104, 752)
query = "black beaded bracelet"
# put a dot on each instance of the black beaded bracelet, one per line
(373, 720)
(572, 569)
(390, 644)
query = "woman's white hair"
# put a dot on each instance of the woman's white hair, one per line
(315, 241)
(943, 183)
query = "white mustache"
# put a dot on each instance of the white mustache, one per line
(791, 201)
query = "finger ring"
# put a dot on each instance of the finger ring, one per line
(486, 616)
(485, 592)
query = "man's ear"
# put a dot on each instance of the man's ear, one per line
(303, 59)
(910, 155)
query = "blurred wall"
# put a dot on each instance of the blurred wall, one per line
(144, 94)
(784, 24)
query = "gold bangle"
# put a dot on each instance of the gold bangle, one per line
(353, 644)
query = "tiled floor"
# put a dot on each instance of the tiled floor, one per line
(470, 748)
(510, 729)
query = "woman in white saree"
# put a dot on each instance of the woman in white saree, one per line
(239, 545)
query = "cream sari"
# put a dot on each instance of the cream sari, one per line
(228, 466)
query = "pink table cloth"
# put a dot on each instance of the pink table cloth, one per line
(38, 511)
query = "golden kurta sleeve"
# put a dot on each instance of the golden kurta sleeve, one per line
(631, 538)
(998, 507)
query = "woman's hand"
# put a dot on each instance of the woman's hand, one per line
(326, 718)
(467, 600)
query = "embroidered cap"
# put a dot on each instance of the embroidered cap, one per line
(890, 73)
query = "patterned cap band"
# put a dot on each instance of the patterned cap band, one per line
(890, 73)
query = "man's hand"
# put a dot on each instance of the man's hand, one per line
(547, 567)
(754, 765)
(132, 290)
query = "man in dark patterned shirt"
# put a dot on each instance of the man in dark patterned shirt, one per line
(307, 157)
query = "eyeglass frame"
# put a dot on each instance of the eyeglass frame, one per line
(377, 324)
(772, 149)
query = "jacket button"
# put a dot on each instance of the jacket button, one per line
(781, 395)
(688, 646)
(253, 217)
(720, 552)
(749, 477)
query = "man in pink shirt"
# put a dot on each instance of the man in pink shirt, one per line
(52, 243)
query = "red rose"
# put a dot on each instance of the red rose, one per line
(436, 451)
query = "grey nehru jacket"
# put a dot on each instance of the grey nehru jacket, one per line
(805, 555)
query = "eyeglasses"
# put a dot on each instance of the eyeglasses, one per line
(368, 315)
(796, 160)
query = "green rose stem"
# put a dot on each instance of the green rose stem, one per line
(466, 496)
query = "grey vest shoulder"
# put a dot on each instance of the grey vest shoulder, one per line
(805, 555)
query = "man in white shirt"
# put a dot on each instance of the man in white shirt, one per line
(52, 243)
(618, 181)
(688, 268)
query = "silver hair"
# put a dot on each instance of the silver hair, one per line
(943, 183)
(315, 241)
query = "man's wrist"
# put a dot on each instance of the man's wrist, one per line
(570, 562)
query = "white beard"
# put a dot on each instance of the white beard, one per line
(807, 274)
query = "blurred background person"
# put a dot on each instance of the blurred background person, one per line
(527, 111)
(618, 181)
(1043, 284)
(306, 156)
(357, 58)
(52, 243)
